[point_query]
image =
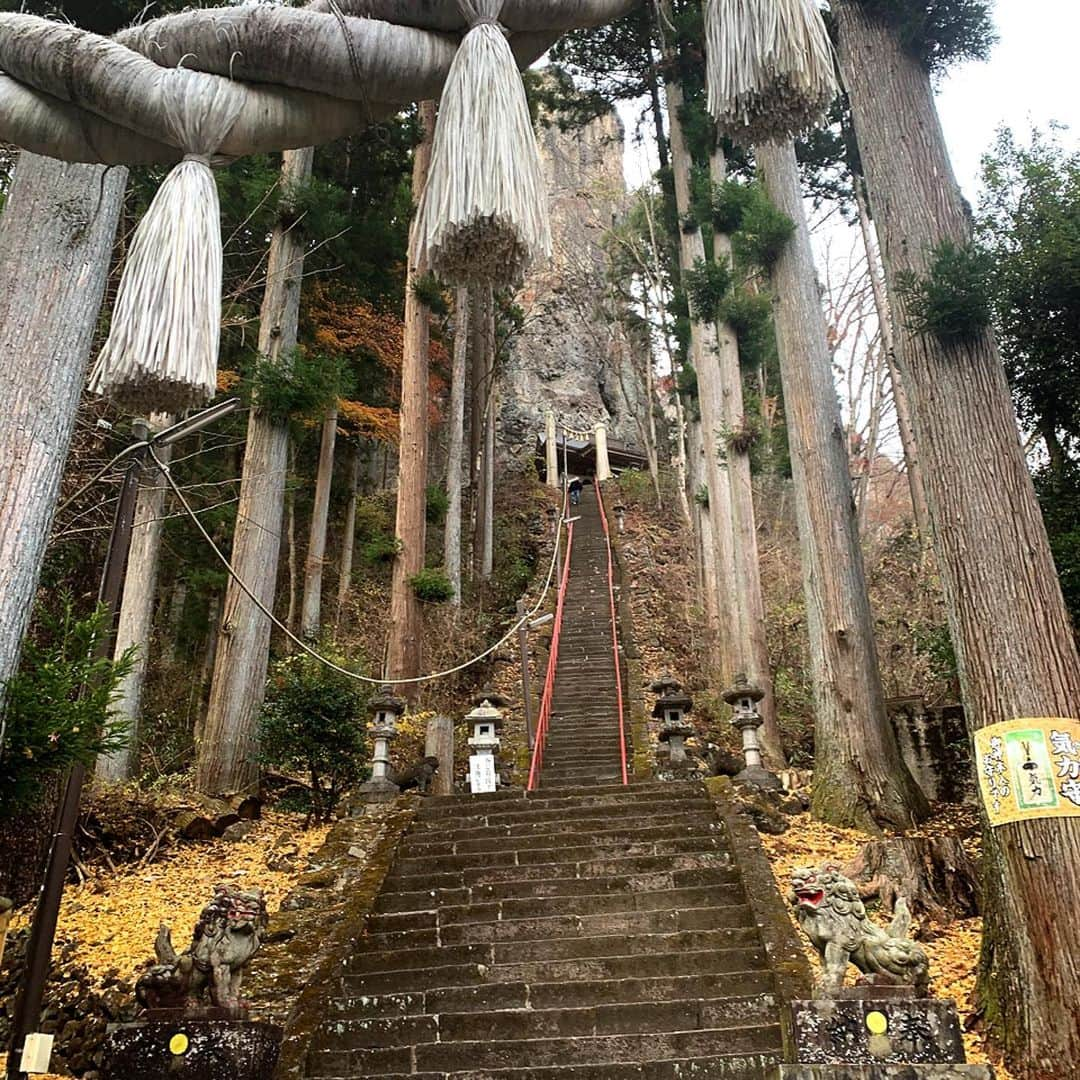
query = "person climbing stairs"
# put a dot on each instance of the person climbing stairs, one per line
(588, 930)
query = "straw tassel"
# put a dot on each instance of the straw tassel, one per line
(771, 71)
(162, 349)
(483, 217)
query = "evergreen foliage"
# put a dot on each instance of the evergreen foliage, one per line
(1029, 223)
(939, 32)
(432, 586)
(429, 291)
(314, 722)
(953, 301)
(303, 388)
(750, 316)
(381, 548)
(707, 285)
(438, 502)
(763, 232)
(59, 704)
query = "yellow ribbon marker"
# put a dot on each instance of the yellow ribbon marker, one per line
(877, 1023)
(178, 1044)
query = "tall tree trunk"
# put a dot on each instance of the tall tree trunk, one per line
(865, 479)
(752, 639)
(860, 779)
(406, 622)
(456, 453)
(311, 619)
(708, 591)
(135, 624)
(482, 342)
(487, 536)
(477, 404)
(177, 601)
(226, 758)
(56, 237)
(704, 348)
(904, 425)
(292, 561)
(348, 532)
(1014, 643)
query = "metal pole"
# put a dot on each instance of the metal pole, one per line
(43, 930)
(526, 693)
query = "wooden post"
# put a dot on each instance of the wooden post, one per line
(439, 743)
(526, 693)
(603, 466)
(551, 449)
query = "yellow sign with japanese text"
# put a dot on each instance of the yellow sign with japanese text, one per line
(1029, 768)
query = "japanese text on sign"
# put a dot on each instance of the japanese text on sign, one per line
(1029, 768)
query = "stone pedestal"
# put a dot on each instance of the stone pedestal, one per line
(878, 1033)
(189, 1048)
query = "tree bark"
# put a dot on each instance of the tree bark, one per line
(311, 615)
(704, 348)
(56, 238)
(904, 425)
(483, 434)
(753, 643)
(1014, 643)
(439, 743)
(136, 621)
(226, 755)
(456, 453)
(406, 621)
(860, 779)
(487, 537)
(348, 533)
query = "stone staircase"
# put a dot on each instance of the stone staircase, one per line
(585, 931)
(583, 740)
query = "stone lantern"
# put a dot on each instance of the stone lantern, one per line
(743, 698)
(671, 709)
(487, 721)
(380, 788)
(620, 517)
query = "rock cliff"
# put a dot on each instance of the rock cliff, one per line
(573, 354)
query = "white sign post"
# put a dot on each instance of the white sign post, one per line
(482, 775)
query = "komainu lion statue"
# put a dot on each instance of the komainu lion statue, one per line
(831, 913)
(227, 935)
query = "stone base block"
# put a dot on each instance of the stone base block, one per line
(191, 1049)
(882, 1072)
(884, 1029)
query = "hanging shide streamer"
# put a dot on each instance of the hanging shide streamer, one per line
(162, 349)
(483, 216)
(771, 72)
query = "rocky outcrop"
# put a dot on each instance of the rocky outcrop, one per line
(573, 353)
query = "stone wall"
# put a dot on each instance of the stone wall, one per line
(935, 744)
(572, 355)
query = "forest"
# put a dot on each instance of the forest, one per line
(309, 316)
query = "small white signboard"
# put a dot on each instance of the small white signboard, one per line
(482, 775)
(37, 1050)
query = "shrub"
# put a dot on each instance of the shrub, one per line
(59, 705)
(438, 503)
(429, 291)
(303, 387)
(314, 722)
(953, 303)
(432, 586)
(381, 548)
(750, 316)
(636, 487)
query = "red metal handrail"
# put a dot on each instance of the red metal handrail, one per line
(614, 633)
(553, 663)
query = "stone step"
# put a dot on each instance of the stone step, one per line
(366, 1031)
(568, 848)
(426, 846)
(542, 1053)
(434, 832)
(477, 972)
(566, 927)
(718, 1067)
(575, 807)
(404, 907)
(475, 908)
(640, 790)
(561, 995)
(586, 868)
(497, 953)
